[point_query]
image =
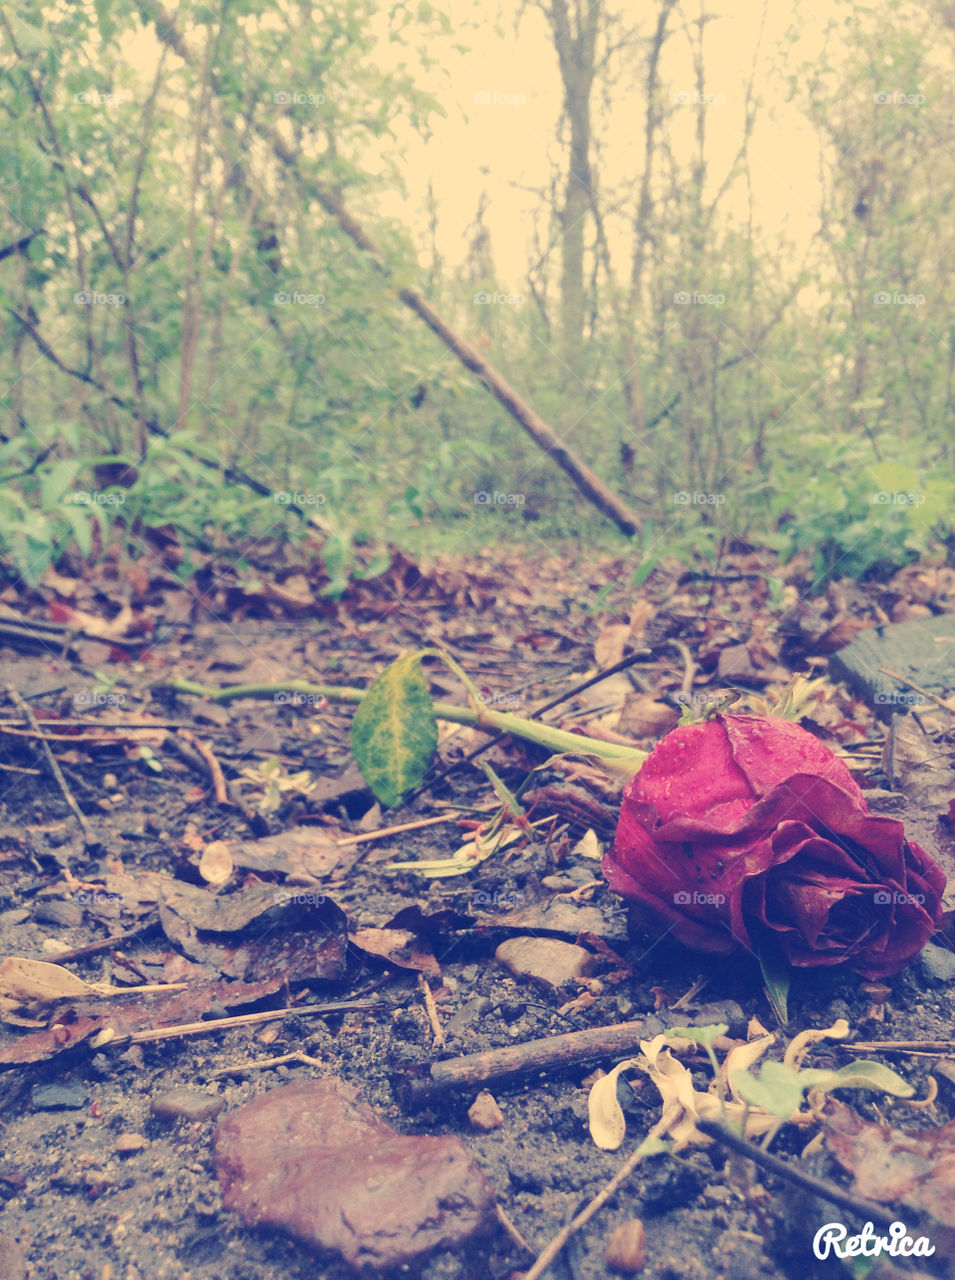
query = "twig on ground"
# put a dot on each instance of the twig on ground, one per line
(383, 832)
(240, 1020)
(220, 786)
(432, 1011)
(52, 765)
(868, 1210)
(422, 1084)
(600, 1199)
(241, 1067)
(513, 1232)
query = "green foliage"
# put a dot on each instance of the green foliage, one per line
(773, 416)
(855, 515)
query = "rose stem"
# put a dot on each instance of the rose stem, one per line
(485, 719)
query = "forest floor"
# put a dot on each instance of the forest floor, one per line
(192, 806)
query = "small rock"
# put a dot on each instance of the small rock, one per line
(16, 915)
(185, 1104)
(315, 1160)
(462, 1022)
(127, 1143)
(558, 884)
(627, 1247)
(59, 1097)
(938, 964)
(717, 1194)
(546, 960)
(56, 911)
(484, 1113)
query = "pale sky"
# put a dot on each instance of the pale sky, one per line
(506, 145)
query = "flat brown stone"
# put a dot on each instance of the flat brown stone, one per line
(315, 1160)
(546, 960)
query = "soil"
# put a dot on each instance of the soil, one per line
(73, 1207)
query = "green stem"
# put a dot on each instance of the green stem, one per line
(483, 718)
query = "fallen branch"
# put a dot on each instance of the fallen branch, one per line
(543, 435)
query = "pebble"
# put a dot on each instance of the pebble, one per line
(938, 964)
(484, 1113)
(558, 884)
(627, 1248)
(185, 1104)
(56, 911)
(546, 960)
(127, 1143)
(59, 1097)
(16, 915)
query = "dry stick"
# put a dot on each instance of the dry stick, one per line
(241, 1067)
(215, 768)
(240, 1020)
(543, 435)
(868, 1210)
(52, 765)
(432, 1011)
(905, 1046)
(512, 1231)
(383, 832)
(671, 1111)
(104, 944)
(426, 1082)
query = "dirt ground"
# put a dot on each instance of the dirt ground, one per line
(82, 1199)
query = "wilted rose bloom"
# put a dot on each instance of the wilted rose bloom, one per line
(745, 824)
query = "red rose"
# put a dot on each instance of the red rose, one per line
(743, 822)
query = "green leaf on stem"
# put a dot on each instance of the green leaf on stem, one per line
(394, 735)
